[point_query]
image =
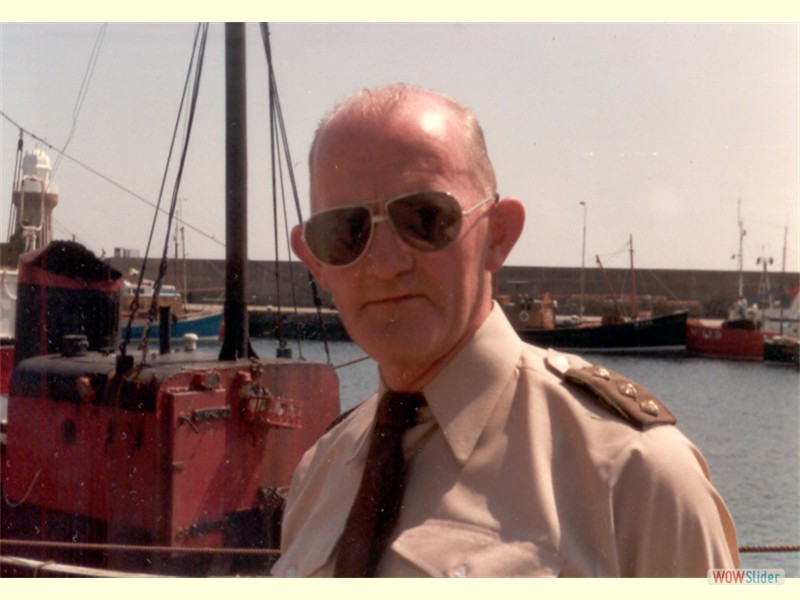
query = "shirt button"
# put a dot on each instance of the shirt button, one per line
(460, 571)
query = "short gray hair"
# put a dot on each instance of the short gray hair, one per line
(375, 102)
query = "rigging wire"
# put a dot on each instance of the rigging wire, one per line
(82, 92)
(625, 249)
(105, 178)
(12, 217)
(277, 171)
(178, 219)
(274, 160)
(298, 332)
(162, 271)
(282, 344)
(157, 206)
(61, 153)
(198, 52)
(296, 196)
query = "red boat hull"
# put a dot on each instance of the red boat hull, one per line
(715, 341)
(187, 452)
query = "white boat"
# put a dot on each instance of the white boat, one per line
(204, 321)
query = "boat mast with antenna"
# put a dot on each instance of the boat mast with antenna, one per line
(742, 233)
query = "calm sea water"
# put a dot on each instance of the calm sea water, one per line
(744, 417)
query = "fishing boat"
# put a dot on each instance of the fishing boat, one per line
(34, 197)
(751, 326)
(128, 464)
(738, 339)
(201, 320)
(747, 332)
(783, 350)
(665, 334)
(783, 315)
(635, 333)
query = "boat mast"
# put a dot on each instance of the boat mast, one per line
(783, 277)
(583, 257)
(742, 233)
(185, 282)
(634, 312)
(764, 287)
(236, 342)
(608, 283)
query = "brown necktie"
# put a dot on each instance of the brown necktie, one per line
(380, 495)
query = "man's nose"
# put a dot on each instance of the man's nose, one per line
(387, 255)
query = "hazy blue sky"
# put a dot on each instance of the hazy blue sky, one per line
(658, 128)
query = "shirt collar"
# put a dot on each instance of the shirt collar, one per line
(463, 396)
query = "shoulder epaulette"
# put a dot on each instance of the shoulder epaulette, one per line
(631, 401)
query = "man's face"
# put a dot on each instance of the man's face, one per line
(408, 309)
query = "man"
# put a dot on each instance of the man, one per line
(517, 463)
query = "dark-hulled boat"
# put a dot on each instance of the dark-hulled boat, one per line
(535, 322)
(782, 350)
(664, 334)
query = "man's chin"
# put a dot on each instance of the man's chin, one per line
(397, 344)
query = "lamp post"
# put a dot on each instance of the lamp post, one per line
(583, 255)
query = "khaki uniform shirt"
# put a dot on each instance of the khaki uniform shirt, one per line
(514, 472)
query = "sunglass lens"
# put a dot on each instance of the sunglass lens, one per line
(338, 237)
(427, 222)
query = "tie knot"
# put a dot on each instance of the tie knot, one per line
(398, 410)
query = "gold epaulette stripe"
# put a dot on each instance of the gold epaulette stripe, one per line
(629, 400)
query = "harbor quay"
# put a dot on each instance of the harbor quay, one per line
(283, 285)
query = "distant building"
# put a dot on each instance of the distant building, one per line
(126, 253)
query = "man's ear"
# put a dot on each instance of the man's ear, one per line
(304, 254)
(507, 220)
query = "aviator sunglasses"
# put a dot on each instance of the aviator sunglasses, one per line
(426, 221)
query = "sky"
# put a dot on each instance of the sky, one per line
(663, 131)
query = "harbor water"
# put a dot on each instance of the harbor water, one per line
(744, 417)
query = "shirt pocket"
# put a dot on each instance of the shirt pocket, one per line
(442, 548)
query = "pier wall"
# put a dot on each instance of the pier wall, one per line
(705, 293)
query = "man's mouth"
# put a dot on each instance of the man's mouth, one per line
(387, 301)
